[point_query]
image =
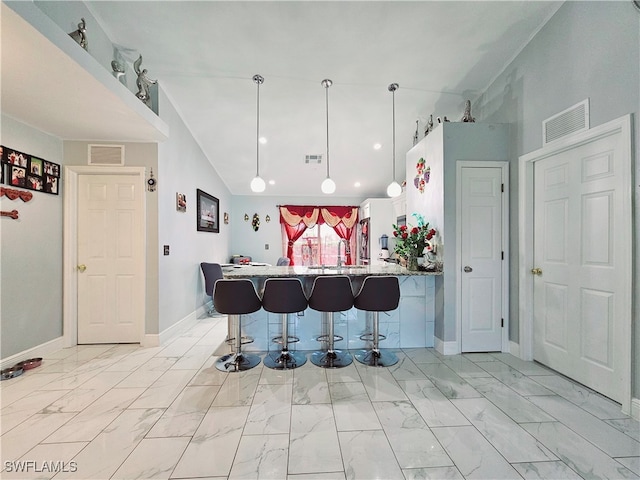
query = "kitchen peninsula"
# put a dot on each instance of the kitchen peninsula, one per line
(410, 325)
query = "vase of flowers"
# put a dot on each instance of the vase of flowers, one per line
(411, 241)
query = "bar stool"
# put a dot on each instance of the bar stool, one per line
(329, 294)
(284, 296)
(377, 294)
(211, 272)
(235, 298)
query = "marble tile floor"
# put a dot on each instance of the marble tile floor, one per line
(126, 412)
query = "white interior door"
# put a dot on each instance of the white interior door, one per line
(481, 259)
(579, 299)
(110, 255)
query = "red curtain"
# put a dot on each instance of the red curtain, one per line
(296, 218)
(343, 220)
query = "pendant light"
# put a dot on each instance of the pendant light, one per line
(394, 189)
(328, 186)
(257, 184)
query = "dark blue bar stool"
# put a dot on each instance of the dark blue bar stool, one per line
(331, 294)
(284, 296)
(235, 298)
(212, 272)
(377, 294)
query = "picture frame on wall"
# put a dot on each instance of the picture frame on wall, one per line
(181, 202)
(208, 212)
(23, 170)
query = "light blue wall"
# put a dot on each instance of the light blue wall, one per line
(183, 168)
(31, 252)
(587, 50)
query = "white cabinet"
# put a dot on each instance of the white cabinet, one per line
(399, 204)
(376, 219)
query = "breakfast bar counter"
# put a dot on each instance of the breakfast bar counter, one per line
(411, 325)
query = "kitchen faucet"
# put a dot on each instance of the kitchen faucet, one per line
(346, 250)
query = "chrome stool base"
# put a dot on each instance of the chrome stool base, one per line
(335, 359)
(376, 358)
(284, 360)
(237, 362)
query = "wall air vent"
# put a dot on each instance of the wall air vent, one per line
(572, 120)
(313, 159)
(106, 155)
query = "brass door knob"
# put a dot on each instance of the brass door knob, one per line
(82, 267)
(536, 271)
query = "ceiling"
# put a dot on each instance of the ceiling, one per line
(205, 53)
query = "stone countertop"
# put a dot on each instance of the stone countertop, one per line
(263, 271)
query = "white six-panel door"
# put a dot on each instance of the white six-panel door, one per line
(110, 249)
(481, 259)
(579, 297)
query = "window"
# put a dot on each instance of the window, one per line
(317, 246)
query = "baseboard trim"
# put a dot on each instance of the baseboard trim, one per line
(157, 339)
(446, 348)
(39, 351)
(514, 349)
(635, 408)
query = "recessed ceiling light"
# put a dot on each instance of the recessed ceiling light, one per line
(272, 182)
(377, 146)
(357, 184)
(262, 140)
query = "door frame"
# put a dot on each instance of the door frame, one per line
(70, 244)
(504, 167)
(620, 126)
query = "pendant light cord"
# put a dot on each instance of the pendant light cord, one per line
(327, 84)
(258, 79)
(392, 88)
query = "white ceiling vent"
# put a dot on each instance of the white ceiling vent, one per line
(572, 120)
(313, 159)
(106, 155)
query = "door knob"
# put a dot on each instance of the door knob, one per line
(536, 271)
(82, 267)
(468, 269)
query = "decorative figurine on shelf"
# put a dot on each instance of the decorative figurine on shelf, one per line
(429, 126)
(80, 35)
(467, 113)
(143, 82)
(415, 135)
(118, 71)
(443, 119)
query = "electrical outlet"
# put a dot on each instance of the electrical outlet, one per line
(166, 249)
(266, 246)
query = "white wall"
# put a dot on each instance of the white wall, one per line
(183, 168)
(31, 252)
(587, 50)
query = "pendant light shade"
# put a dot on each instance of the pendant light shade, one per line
(257, 184)
(394, 189)
(328, 186)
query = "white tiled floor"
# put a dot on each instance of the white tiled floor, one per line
(125, 412)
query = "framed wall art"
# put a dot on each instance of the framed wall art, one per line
(208, 212)
(181, 202)
(26, 171)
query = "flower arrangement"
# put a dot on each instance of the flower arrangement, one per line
(411, 241)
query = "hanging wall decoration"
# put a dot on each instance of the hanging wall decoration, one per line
(255, 222)
(267, 219)
(181, 202)
(246, 217)
(26, 171)
(226, 218)
(422, 177)
(151, 182)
